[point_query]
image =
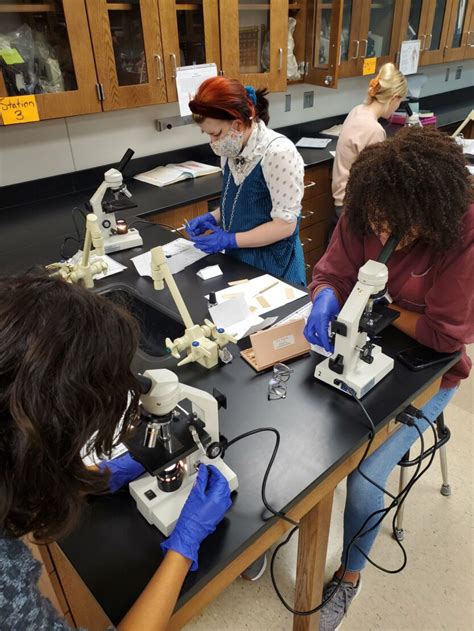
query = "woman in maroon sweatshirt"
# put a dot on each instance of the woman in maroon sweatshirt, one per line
(415, 185)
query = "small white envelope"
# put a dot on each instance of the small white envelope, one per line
(209, 272)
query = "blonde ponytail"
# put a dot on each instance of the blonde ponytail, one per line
(388, 83)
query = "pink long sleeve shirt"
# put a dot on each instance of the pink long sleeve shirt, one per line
(439, 286)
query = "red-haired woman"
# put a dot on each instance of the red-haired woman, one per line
(258, 219)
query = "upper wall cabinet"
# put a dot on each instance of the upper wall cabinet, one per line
(369, 29)
(459, 35)
(254, 42)
(128, 52)
(190, 35)
(469, 48)
(323, 35)
(51, 56)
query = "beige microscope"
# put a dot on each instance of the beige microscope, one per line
(84, 270)
(171, 442)
(116, 238)
(203, 343)
(358, 364)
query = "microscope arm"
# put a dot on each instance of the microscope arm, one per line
(160, 272)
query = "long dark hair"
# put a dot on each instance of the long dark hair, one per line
(65, 381)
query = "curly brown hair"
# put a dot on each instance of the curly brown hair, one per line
(414, 185)
(65, 382)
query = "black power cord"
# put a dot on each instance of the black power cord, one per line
(228, 444)
(160, 225)
(397, 501)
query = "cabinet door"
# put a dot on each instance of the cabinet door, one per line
(190, 35)
(52, 56)
(254, 42)
(127, 50)
(458, 30)
(324, 46)
(436, 31)
(469, 47)
(350, 49)
(379, 31)
(414, 21)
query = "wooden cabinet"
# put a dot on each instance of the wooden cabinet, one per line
(53, 56)
(469, 42)
(316, 214)
(458, 31)
(254, 38)
(190, 35)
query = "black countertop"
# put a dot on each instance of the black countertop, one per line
(116, 551)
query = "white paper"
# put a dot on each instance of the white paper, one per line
(113, 267)
(335, 130)
(313, 143)
(188, 80)
(230, 312)
(179, 254)
(470, 168)
(273, 290)
(211, 271)
(467, 144)
(333, 153)
(409, 56)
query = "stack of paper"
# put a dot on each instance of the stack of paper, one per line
(239, 308)
(335, 130)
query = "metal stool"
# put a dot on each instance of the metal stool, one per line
(444, 435)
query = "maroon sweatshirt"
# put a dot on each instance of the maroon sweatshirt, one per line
(439, 286)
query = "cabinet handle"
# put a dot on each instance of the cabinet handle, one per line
(280, 59)
(430, 40)
(365, 48)
(422, 46)
(357, 49)
(310, 213)
(469, 33)
(309, 185)
(173, 65)
(159, 64)
(306, 241)
(307, 266)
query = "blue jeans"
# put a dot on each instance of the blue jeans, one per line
(363, 498)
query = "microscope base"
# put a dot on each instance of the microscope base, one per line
(119, 242)
(162, 509)
(362, 378)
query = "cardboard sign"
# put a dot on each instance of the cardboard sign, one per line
(18, 109)
(370, 64)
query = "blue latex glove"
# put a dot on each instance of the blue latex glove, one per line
(215, 242)
(199, 225)
(123, 470)
(325, 308)
(205, 507)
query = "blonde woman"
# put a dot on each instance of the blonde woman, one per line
(361, 127)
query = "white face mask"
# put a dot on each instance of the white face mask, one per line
(230, 146)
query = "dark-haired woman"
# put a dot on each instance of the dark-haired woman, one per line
(415, 185)
(258, 219)
(65, 382)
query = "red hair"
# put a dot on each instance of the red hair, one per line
(222, 99)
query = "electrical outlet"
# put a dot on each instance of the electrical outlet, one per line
(287, 102)
(458, 73)
(308, 99)
(173, 121)
(446, 76)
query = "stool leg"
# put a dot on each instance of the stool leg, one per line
(399, 533)
(440, 429)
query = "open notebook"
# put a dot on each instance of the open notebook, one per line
(171, 173)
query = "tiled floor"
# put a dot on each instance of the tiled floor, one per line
(434, 592)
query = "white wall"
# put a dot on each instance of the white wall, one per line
(29, 152)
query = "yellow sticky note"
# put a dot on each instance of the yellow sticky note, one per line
(370, 64)
(18, 109)
(11, 56)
